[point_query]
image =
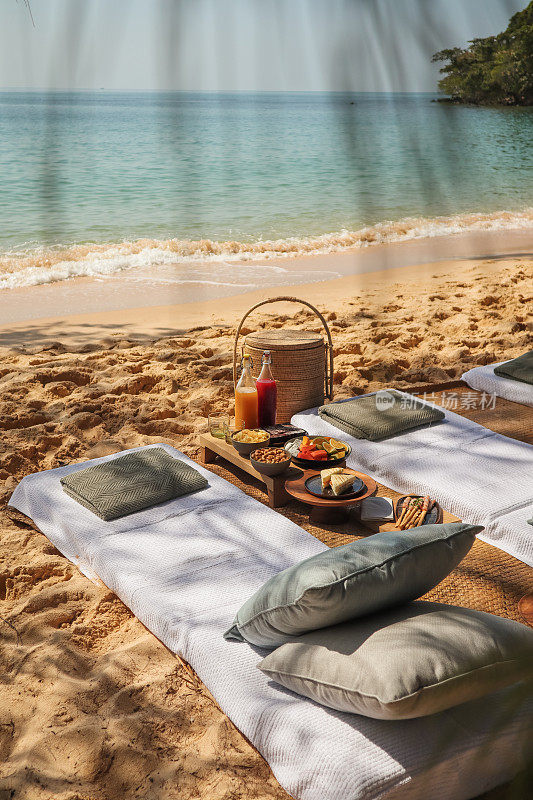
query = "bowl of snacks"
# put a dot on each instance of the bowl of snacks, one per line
(317, 452)
(270, 460)
(247, 440)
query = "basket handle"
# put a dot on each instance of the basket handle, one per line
(328, 377)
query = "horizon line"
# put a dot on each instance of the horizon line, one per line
(215, 91)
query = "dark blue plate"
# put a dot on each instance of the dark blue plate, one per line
(293, 447)
(314, 487)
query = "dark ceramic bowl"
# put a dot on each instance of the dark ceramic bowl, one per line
(270, 469)
(245, 448)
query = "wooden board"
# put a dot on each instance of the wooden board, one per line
(275, 486)
(383, 491)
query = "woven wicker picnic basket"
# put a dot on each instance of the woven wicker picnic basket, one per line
(302, 362)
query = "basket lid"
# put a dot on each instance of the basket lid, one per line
(284, 340)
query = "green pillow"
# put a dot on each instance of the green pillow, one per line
(380, 415)
(405, 663)
(132, 482)
(383, 570)
(518, 369)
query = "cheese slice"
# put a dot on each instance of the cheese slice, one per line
(340, 483)
(326, 475)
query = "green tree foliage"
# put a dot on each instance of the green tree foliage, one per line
(497, 70)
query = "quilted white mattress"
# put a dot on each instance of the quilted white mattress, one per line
(483, 379)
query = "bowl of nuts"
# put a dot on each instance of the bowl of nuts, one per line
(270, 460)
(247, 440)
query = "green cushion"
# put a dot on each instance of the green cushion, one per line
(132, 482)
(380, 415)
(409, 662)
(519, 369)
(378, 572)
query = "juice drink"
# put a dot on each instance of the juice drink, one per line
(246, 398)
(246, 408)
(266, 394)
(266, 398)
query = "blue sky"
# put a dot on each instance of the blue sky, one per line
(359, 45)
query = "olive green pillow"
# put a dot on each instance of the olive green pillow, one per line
(132, 482)
(405, 663)
(381, 571)
(381, 415)
(519, 369)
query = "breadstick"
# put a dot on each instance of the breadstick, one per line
(413, 520)
(407, 521)
(420, 515)
(405, 509)
(431, 505)
(423, 511)
(410, 515)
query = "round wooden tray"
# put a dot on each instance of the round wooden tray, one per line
(322, 508)
(525, 606)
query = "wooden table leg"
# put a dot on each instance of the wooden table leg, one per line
(207, 455)
(277, 496)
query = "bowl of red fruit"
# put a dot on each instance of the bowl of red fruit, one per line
(317, 452)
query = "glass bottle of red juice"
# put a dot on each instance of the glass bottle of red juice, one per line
(266, 394)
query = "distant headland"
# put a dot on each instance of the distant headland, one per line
(497, 70)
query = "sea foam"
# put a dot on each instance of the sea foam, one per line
(33, 266)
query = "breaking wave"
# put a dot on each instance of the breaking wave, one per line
(33, 266)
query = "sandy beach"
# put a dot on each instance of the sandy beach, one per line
(95, 708)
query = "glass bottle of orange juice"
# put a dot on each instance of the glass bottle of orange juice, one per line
(246, 398)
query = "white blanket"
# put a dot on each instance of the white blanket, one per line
(483, 379)
(185, 567)
(478, 475)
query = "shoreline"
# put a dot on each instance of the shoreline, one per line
(136, 290)
(150, 322)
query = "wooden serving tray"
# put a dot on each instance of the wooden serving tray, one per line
(400, 502)
(212, 448)
(322, 508)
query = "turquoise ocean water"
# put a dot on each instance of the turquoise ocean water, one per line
(94, 183)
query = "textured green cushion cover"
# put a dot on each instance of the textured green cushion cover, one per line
(378, 572)
(379, 416)
(409, 662)
(519, 369)
(132, 482)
